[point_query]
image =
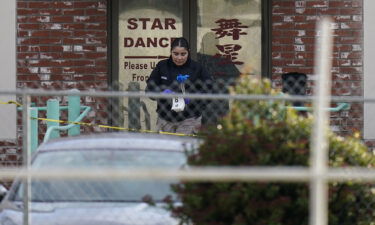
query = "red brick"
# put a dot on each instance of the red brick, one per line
(337, 4)
(61, 19)
(283, 4)
(27, 12)
(317, 4)
(277, 19)
(283, 11)
(96, 12)
(283, 40)
(276, 48)
(61, 77)
(85, 5)
(60, 33)
(51, 26)
(101, 63)
(74, 26)
(357, 3)
(85, 33)
(344, 48)
(40, 33)
(21, 5)
(63, 5)
(350, 70)
(50, 41)
(306, 11)
(350, 40)
(329, 11)
(343, 18)
(95, 70)
(354, 25)
(73, 12)
(89, 48)
(95, 41)
(28, 41)
(50, 55)
(13, 158)
(27, 55)
(84, 63)
(73, 70)
(74, 40)
(22, 33)
(90, 19)
(350, 11)
(22, 70)
(22, 19)
(83, 77)
(38, 19)
(95, 26)
(52, 12)
(54, 48)
(72, 55)
(342, 33)
(29, 26)
(307, 26)
(283, 26)
(44, 4)
(95, 55)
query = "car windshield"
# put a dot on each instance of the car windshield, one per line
(103, 190)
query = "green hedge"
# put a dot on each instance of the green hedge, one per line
(263, 133)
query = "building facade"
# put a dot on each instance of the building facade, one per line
(104, 44)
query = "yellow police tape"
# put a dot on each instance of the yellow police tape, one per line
(10, 102)
(111, 127)
(98, 125)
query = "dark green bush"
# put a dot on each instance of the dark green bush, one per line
(266, 133)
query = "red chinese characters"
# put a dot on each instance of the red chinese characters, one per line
(228, 53)
(232, 28)
(229, 27)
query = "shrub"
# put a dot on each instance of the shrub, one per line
(261, 133)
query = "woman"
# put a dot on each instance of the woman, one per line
(166, 78)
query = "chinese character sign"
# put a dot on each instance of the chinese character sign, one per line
(230, 36)
(232, 28)
(229, 27)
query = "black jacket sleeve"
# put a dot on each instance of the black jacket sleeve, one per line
(154, 81)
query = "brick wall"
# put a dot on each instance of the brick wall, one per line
(293, 38)
(60, 45)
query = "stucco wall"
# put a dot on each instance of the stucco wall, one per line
(8, 68)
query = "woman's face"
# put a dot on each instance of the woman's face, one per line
(179, 55)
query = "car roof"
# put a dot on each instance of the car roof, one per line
(122, 140)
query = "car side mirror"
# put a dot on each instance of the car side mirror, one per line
(3, 192)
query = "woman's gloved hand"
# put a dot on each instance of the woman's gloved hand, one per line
(167, 91)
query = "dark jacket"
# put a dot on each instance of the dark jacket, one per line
(164, 77)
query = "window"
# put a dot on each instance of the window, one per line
(229, 39)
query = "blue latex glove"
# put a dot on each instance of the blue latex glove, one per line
(167, 91)
(187, 100)
(182, 78)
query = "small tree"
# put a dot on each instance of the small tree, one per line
(263, 133)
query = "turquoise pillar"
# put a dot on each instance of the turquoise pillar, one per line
(74, 109)
(53, 112)
(34, 129)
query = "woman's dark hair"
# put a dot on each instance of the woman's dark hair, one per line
(180, 42)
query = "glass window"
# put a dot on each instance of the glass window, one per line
(145, 32)
(229, 37)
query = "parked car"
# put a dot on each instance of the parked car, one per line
(100, 201)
